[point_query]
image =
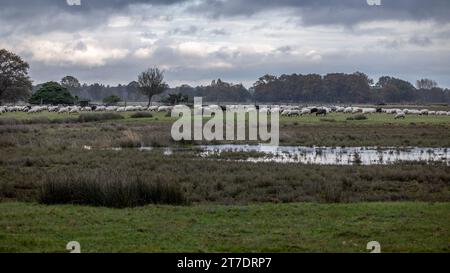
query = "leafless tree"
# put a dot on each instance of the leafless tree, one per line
(151, 82)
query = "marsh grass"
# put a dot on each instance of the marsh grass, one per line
(142, 115)
(108, 189)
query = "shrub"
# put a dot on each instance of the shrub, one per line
(357, 117)
(108, 189)
(142, 115)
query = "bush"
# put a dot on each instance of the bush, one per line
(108, 189)
(142, 115)
(357, 117)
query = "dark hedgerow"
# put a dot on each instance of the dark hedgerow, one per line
(108, 189)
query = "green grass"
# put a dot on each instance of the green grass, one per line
(299, 227)
(372, 119)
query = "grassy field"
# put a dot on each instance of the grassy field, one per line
(399, 227)
(231, 206)
(334, 130)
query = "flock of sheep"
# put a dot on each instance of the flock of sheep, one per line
(78, 109)
(286, 110)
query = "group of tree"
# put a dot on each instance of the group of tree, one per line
(15, 85)
(346, 88)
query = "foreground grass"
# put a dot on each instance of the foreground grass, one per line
(299, 227)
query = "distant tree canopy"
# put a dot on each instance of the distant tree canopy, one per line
(426, 84)
(15, 83)
(343, 88)
(336, 87)
(52, 93)
(174, 99)
(111, 100)
(218, 92)
(70, 82)
(297, 88)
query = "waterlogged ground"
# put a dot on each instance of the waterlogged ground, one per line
(332, 155)
(308, 155)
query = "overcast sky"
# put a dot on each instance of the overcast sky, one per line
(196, 41)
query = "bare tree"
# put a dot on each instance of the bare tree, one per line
(14, 81)
(151, 82)
(426, 84)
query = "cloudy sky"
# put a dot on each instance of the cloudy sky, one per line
(195, 41)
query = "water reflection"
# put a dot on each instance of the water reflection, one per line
(311, 155)
(333, 155)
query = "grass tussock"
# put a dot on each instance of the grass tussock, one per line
(142, 115)
(108, 189)
(358, 117)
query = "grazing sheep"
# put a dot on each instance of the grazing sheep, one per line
(441, 113)
(153, 108)
(53, 109)
(369, 110)
(305, 111)
(34, 110)
(120, 109)
(348, 110)
(64, 110)
(400, 115)
(111, 108)
(275, 110)
(74, 110)
(431, 113)
(414, 112)
(164, 109)
(424, 112)
(100, 109)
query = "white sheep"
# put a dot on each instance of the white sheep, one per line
(64, 110)
(164, 109)
(100, 109)
(424, 112)
(348, 110)
(400, 115)
(369, 110)
(305, 111)
(74, 110)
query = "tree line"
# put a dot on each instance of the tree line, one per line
(15, 85)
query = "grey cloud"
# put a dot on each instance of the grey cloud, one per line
(346, 12)
(184, 31)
